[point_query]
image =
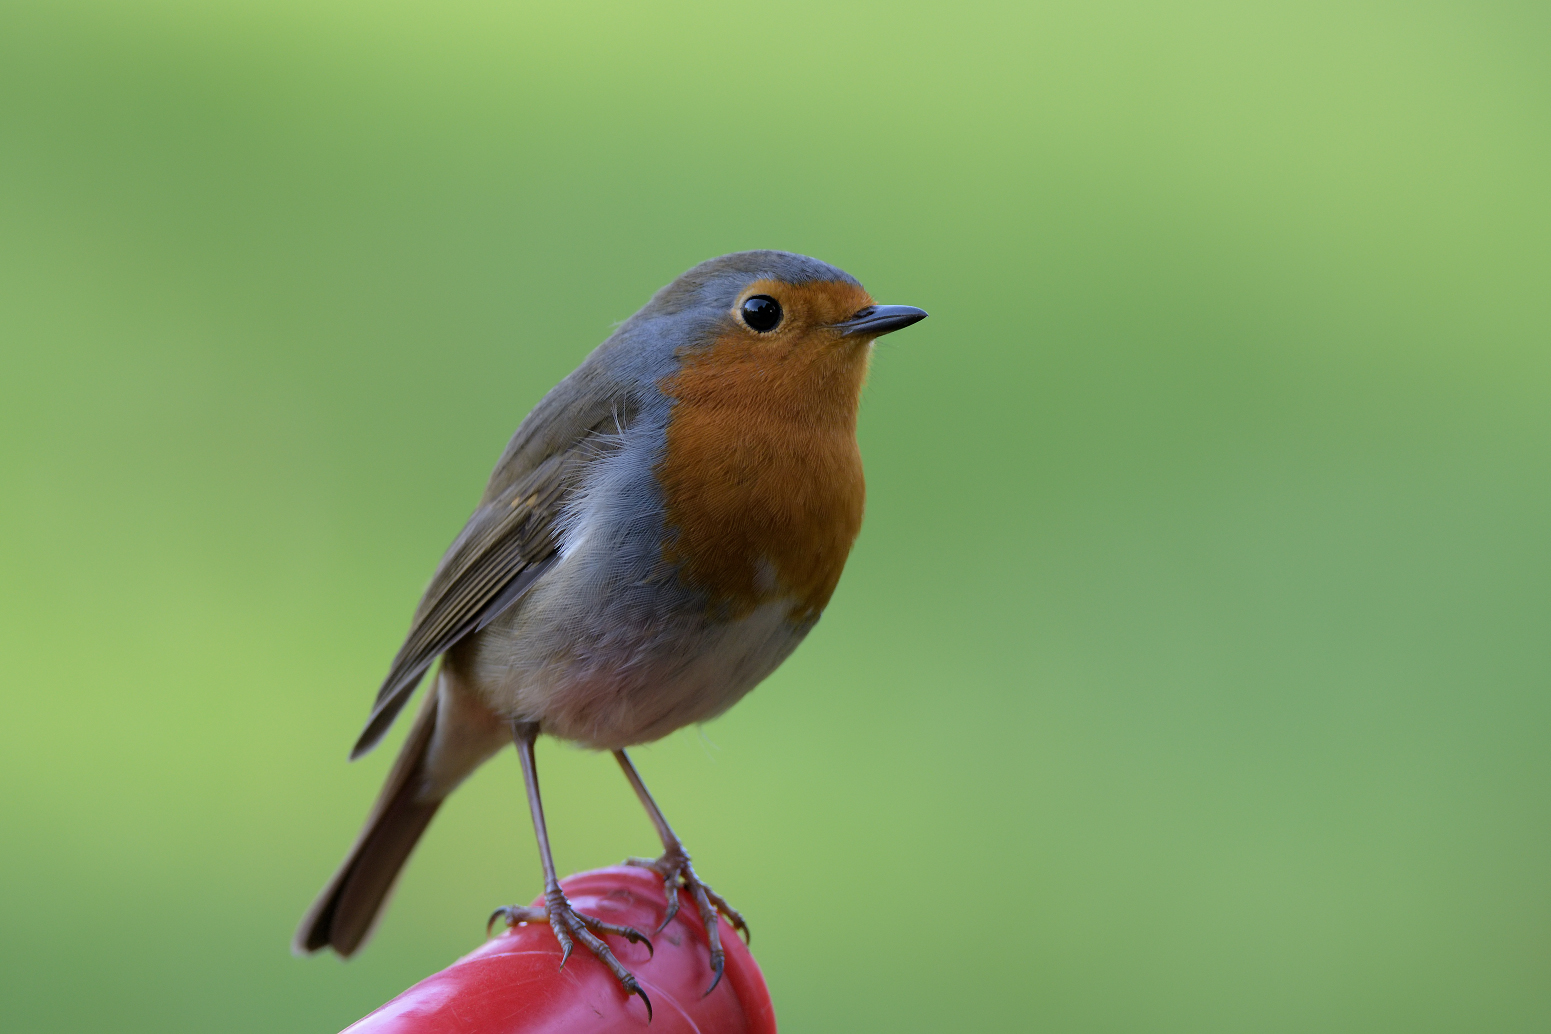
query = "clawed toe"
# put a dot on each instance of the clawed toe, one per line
(513, 915)
(733, 916)
(567, 923)
(629, 933)
(676, 873)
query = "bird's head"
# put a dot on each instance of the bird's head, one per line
(772, 328)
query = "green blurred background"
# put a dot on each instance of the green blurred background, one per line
(1189, 675)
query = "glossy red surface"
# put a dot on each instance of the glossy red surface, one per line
(513, 983)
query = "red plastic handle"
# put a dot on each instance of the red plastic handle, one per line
(514, 985)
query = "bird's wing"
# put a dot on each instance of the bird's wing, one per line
(510, 540)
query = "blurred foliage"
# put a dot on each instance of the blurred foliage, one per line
(1191, 671)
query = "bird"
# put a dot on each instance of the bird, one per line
(660, 533)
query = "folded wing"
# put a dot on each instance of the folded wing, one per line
(510, 540)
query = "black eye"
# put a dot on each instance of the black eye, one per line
(762, 312)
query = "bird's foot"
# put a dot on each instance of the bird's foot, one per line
(676, 872)
(568, 924)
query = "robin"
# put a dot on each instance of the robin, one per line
(664, 528)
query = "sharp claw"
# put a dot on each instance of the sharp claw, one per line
(490, 923)
(717, 965)
(673, 910)
(565, 953)
(637, 989)
(629, 933)
(635, 936)
(735, 919)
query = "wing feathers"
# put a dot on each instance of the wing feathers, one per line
(507, 544)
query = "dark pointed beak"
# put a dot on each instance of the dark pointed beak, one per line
(877, 320)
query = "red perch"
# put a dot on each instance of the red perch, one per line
(513, 984)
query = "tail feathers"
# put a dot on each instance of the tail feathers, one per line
(347, 909)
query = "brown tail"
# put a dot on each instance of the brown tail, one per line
(343, 915)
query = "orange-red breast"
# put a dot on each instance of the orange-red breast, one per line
(661, 532)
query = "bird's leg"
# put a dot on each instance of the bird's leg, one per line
(676, 872)
(563, 919)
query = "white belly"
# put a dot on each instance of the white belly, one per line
(612, 669)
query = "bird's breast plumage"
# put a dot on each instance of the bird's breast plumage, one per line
(761, 476)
